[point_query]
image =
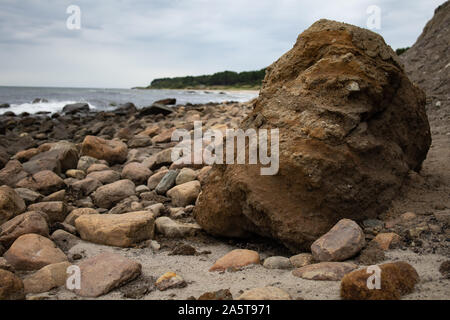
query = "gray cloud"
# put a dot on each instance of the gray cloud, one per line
(128, 43)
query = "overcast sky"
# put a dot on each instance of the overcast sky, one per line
(128, 43)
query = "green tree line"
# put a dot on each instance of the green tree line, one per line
(225, 78)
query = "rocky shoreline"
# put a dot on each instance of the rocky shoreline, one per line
(59, 194)
(98, 191)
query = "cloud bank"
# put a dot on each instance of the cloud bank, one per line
(128, 43)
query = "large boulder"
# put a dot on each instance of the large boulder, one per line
(10, 204)
(334, 98)
(121, 230)
(109, 150)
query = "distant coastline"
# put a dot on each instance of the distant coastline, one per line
(211, 88)
(225, 80)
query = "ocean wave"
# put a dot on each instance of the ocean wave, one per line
(51, 106)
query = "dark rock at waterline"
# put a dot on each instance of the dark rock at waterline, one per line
(75, 108)
(2, 128)
(125, 109)
(155, 109)
(4, 105)
(39, 100)
(9, 114)
(169, 101)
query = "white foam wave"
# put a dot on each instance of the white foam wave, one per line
(51, 106)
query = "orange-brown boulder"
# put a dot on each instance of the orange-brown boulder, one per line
(351, 126)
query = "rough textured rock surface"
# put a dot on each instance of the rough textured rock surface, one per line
(426, 62)
(334, 97)
(397, 279)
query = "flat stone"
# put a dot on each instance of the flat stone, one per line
(174, 229)
(277, 263)
(301, 260)
(236, 259)
(332, 271)
(106, 272)
(121, 230)
(266, 293)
